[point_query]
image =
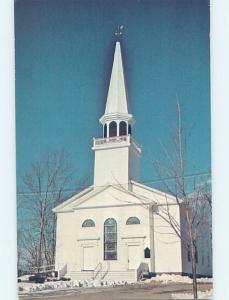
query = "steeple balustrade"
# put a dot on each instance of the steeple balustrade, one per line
(115, 140)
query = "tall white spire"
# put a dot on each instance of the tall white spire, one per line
(116, 105)
(117, 97)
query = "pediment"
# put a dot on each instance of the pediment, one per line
(115, 195)
(102, 197)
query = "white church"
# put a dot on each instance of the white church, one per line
(112, 230)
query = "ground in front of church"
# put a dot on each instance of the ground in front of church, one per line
(155, 290)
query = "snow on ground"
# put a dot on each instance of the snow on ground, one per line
(201, 295)
(165, 278)
(30, 287)
(26, 286)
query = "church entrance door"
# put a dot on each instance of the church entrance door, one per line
(134, 259)
(88, 258)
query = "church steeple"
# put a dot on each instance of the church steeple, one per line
(116, 154)
(116, 120)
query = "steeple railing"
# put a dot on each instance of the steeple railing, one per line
(115, 140)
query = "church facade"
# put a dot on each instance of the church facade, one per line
(112, 230)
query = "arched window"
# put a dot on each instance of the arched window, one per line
(88, 223)
(105, 131)
(110, 239)
(129, 130)
(122, 128)
(132, 221)
(112, 129)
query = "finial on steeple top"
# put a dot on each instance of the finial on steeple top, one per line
(118, 31)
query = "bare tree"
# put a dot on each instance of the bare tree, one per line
(193, 199)
(45, 185)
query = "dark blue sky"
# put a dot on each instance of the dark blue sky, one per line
(64, 53)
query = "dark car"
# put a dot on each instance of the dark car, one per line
(38, 278)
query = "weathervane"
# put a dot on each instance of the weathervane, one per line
(118, 32)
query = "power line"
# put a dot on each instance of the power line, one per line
(194, 175)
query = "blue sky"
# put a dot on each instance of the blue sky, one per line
(64, 52)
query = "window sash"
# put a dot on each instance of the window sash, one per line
(111, 255)
(110, 237)
(112, 246)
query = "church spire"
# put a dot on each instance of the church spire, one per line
(117, 97)
(116, 119)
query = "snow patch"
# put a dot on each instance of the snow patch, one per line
(29, 287)
(201, 295)
(166, 278)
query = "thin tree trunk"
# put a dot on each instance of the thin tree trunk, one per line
(193, 259)
(194, 281)
(41, 239)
